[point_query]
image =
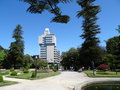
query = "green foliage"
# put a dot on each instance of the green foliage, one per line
(13, 73)
(89, 52)
(4, 72)
(102, 74)
(6, 83)
(2, 57)
(55, 70)
(27, 62)
(118, 28)
(25, 71)
(1, 78)
(112, 45)
(16, 52)
(33, 75)
(71, 59)
(61, 19)
(40, 63)
(3, 54)
(43, 71)
(11, 70)
(39, 6)
(1, 48)
(113, 49)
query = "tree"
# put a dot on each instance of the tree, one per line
(27, 62)
(1, 48)
(2, 56)
(113, 48)
(38, 63)
(118, 29)
(71, 59)
(90, 48)
(16, 51)
(39, 6)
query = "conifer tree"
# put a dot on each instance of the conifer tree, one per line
(16, 51)
(90, 49)
(39, 6)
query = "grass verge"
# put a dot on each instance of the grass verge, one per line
(5, 83)
(5, 72)
(39, 75)
(102, 74)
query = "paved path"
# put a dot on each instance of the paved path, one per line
(64, 81)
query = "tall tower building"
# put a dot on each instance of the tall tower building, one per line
(48, 49)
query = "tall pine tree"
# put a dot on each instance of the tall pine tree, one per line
(89, 52)
(16, 52)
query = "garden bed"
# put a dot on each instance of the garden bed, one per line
(102, 73)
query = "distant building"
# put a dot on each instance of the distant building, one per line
(35, 56)
(48, 50)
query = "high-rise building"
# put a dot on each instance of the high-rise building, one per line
(48, 49)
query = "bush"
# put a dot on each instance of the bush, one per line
(13, 73)
(55, 70)
(103, 67)
(1, 78)
(11, 70)
(25, 71)
(33, 75)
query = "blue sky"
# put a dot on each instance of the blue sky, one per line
(13, 12)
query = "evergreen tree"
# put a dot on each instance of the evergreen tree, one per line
(71, 59)
(113, 49)
(118, 28)
(89, 52)
(16, 51)
(39, 6)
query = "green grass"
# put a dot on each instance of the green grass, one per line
(39, 75)
(102, 74)
(5, 83)
(4, 72)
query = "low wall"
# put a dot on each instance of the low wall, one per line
(95, 80)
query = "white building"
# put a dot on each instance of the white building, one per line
(48, 49)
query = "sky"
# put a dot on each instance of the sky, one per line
(13, 12)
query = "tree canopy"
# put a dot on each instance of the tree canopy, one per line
(16, 51)
(39, 6)
(90, 49)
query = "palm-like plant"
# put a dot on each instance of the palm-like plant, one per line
(38, 6)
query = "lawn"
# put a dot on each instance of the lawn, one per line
(5, 72)
(40, 75)
(4, 83)
(102, 74)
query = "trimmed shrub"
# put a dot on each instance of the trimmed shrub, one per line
(11, 70)
(25, 71)
(103, 67)
(33, 75)
(55, 70)
(1, 78)
(13, 73)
